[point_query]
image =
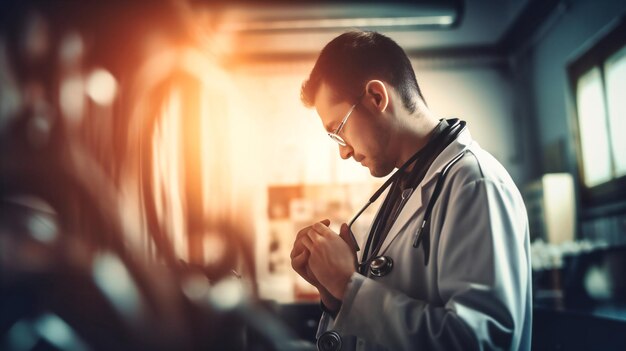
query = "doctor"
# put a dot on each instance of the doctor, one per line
(463, 281)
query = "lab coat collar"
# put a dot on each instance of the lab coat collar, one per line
(419, 198)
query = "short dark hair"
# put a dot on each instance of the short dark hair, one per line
(350, 60)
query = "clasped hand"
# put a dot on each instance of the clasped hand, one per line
(324, 259)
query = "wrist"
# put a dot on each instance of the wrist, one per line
(332, 312)
(329, 301)
(340, 287)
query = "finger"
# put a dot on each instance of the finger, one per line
(304, 230)
(346, 234)
(307, 241)
(315, 240)
(300, 260)
(297, 247)
(316, 236)
(322, 229)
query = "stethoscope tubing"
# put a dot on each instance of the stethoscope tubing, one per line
(419, 234)
(384, 187)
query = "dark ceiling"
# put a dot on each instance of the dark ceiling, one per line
(481, 23)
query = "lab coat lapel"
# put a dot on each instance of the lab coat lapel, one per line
(419, 199)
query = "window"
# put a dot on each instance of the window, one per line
(598, 81)
(615, 69)
(593, 128)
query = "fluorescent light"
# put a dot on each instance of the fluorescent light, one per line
(308, 15)
(331, 23)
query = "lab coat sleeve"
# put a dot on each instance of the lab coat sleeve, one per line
(481, 276)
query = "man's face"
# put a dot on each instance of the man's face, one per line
(365, 132)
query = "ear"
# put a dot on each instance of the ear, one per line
(376, 91)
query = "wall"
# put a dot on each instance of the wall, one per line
(569, 31)
(566, 33)
(297, 146)
(481, 94)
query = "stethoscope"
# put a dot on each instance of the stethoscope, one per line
(381, 265)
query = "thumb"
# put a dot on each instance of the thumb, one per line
(325, 222)
(346, 235)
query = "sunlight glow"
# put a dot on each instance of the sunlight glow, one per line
(101, 87)
(72, 97)
(168, 172)
(199, 144)
(214, 248)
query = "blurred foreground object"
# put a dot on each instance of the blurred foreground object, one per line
(88, 237)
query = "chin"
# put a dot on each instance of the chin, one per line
(379, 172)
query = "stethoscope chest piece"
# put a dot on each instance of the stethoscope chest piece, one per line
(329, 341)
(381, 266)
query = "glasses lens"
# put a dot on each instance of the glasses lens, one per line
(339, 140)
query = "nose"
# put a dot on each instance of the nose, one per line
(346, 151)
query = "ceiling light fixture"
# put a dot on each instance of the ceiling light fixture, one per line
(309, 15)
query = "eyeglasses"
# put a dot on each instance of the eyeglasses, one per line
(335, 135)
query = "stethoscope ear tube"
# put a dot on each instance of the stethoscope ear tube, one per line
(419, 234)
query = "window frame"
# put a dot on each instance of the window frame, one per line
(595, 54)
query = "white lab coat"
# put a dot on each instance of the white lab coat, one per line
(475, 292)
